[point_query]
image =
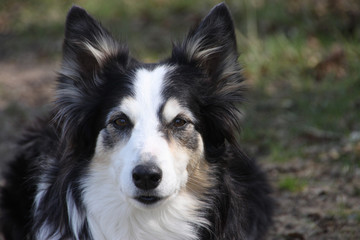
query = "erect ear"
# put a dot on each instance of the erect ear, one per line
(87, 45)
(87, 51)
(211, 45)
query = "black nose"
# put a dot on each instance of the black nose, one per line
(147, 177)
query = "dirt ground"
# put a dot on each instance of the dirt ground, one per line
(327, 206)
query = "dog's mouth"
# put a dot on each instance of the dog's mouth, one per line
(148, 200)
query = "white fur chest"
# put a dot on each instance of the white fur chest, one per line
(175, 220)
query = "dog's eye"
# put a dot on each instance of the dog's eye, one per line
(179, 122)
(121, 122)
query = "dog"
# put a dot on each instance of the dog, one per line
(139, 151)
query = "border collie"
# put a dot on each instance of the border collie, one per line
(138, 151)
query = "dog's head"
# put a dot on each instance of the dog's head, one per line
(148, 131)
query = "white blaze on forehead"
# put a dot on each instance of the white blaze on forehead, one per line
(148, 89)
(145, 104)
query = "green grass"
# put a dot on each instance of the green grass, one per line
(291, 184)
(287, 100)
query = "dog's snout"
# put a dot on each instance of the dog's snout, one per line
(147, 177)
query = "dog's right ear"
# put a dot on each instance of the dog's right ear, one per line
(87, 45)
(87, 49)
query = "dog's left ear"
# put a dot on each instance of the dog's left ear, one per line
(211, 45)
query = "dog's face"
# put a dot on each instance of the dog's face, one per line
(150, 131)
(149, 142)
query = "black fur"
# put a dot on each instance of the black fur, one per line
(57, 151)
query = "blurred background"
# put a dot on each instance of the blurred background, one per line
(302, 62)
